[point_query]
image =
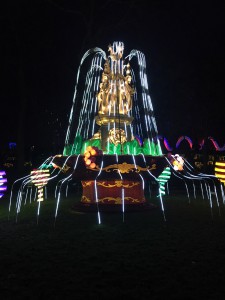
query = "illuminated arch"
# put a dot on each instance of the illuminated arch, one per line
(215, 144)
(184, 137)
(165, 142)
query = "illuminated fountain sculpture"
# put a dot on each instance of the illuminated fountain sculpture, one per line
(115, 118)
(112, 144)
(114, 114)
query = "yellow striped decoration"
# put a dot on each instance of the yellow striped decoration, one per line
(220, 171)
(40, 178)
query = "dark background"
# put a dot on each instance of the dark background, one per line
(42, 43)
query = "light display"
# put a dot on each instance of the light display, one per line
(220, 170)
(163, 179)
(184, 138)
(215, 144)
(113, 112)
(40, 178)
(112, 145)
(178, 162)
(3, 181)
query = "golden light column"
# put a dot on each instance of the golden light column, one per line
(115, 99)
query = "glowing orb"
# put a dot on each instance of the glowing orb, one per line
(89, 156)
(178, 162)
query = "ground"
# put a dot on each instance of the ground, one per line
(142, 257)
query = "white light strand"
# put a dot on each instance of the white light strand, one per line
(90, 51)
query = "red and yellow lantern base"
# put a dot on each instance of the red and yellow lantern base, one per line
(112, 192)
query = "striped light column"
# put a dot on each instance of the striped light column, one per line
(3, 182)
(163, 179)
(220, 170)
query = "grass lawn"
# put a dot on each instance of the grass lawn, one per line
(143, 257)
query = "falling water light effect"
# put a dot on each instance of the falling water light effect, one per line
(61, 182)
(96, 193)
(91, 117)
(122, 196)
(96, 199)
(145, 124)
(159, 194)
(93, 50)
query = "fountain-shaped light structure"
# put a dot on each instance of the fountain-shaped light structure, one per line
(116, 118)
(112, 144)
(116, 110)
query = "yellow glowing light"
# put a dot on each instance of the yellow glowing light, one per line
(219, 170)
(178, 162)
(220, 164)
(92, 165)
(88, 162)
(177, 166)
(87, 154)
(93, 152)
(90, 156)
(220, 176)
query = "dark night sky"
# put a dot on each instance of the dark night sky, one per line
(42, 42)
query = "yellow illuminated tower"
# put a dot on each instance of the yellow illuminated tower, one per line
(115, 99)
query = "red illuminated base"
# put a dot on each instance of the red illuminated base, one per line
(112, 192)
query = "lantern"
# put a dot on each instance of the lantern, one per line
(40, 178)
